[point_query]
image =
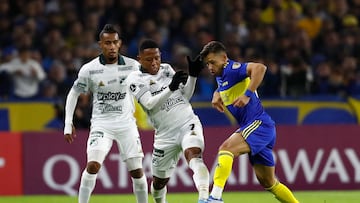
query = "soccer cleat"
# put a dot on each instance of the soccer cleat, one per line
(214, 200)
(202, 201)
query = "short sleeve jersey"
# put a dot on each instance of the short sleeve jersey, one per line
(171, 113)
(112, 103)
(233, 83)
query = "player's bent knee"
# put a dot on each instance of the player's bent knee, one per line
(159, 183)
(93, 167)
(137, 173)
(193, 152)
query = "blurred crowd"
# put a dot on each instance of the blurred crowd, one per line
(309, 47)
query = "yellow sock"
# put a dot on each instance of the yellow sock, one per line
(223, 168)
(282, 193)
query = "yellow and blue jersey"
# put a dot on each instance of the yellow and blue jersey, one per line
(233, 83)
(256, 126)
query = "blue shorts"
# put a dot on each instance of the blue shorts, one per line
(261, 139)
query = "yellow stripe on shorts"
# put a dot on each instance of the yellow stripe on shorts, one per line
(248, 130)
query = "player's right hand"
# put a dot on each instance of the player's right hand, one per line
(217, 102)
(179, 77)
(69, 133)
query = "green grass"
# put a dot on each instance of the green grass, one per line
(229, 197)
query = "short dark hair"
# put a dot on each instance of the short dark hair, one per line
(212, 47)
(148, 44)
(109, 28)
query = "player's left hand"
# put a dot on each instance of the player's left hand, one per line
(241, 101)
(195, 66)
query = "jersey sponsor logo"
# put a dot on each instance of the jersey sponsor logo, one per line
(116, 96)
(236, 65)
(158, 91)
(106, 108)
(92, 72)
(122, 68)
(225, 83)
(80, 85)
(97, 134)
(171, 103)
(111, 81)
(158, 152)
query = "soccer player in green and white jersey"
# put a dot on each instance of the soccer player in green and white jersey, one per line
(112, 115)
(178, 130)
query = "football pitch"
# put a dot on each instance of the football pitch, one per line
(229, 197)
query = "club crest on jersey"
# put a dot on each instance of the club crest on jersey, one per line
(152, 82)
(236, 65)
(101, 84)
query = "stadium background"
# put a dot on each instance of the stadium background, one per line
(311, 89)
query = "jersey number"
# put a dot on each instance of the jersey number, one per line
(192, 126)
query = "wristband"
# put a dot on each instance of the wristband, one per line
(248, 93)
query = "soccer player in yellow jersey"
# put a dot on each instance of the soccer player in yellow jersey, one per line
(237, 84)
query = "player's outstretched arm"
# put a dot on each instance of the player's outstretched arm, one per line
(195, 67)
(142, 92)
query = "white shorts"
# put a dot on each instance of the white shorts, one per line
(101, 140)
(167, 152)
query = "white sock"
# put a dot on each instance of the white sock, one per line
(87, 185)
(159, 195)
(140, 189)
(216, 192)
(200, 177)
